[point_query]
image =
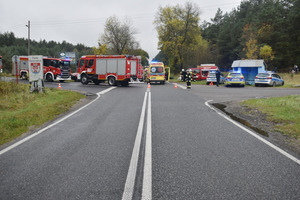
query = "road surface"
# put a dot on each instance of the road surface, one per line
(148, 143)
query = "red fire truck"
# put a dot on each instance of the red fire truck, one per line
(54, 69)
(201, 72)
(116, 69)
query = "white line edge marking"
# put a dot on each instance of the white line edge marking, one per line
(255, 135)
(55, 123)
(147, 178)
(130, 180)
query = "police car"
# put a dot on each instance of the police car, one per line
(235, 78)
(268, 79)
(212, 78)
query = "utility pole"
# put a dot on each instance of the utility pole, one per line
(28, 25)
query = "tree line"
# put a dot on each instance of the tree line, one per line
(11, 45)
(256, 29)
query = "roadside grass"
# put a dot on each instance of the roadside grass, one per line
(284, 111)
(290, 80)
(20, 110)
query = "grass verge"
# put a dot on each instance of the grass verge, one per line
(284, 111)
(20, 109)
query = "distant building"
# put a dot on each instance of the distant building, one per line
(249, 68)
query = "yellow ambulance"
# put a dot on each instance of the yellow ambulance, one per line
(156, 73)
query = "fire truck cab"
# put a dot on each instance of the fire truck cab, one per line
(115, 69)
(56, 69)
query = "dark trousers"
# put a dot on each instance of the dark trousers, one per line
(218, 81)
(189, 84)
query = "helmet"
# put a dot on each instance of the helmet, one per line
(189, 70)
(182, 70)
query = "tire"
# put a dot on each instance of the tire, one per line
(84, 79)
(49, 78)
(282, 83)
(111, 81)
(23, 76)
(274, 84)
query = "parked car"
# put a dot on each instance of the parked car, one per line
(211, 77)
(268, 79)
(235, 79)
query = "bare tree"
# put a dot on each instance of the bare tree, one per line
(119, 36)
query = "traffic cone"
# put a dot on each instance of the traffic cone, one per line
(149, 85)
(175, 85)
(59, 86)
(211, 83)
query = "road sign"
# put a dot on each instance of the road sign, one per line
(36, 73)
(35, 68)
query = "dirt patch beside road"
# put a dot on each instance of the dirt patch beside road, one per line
(254, 118)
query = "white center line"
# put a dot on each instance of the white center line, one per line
(147, 178)
(130, 180)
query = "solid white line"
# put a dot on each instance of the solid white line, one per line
(147, 178)
(51, 125)
(255, 135)
(105, 91)
(130, 180)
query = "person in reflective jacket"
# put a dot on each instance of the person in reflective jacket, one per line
(183, 75)
(188, 79)
(218, 75)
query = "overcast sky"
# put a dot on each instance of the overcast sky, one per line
(82, 21)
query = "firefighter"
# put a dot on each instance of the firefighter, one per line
(183, 75)
(218, 74)
(188, 79)
(194, 75)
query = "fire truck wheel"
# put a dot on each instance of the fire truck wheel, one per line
(111, 81)
(84, 79)
(23, 76)
(49, 78)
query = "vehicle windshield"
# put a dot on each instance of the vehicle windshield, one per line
(50, 62)
(263, 75)
(212, 74)
(235, 74)
(65, 63)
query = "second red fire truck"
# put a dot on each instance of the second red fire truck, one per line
(54, 68)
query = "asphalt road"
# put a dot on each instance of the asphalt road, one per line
(186, 150)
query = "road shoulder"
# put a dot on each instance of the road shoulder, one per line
(82, 102)
(254, 118)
